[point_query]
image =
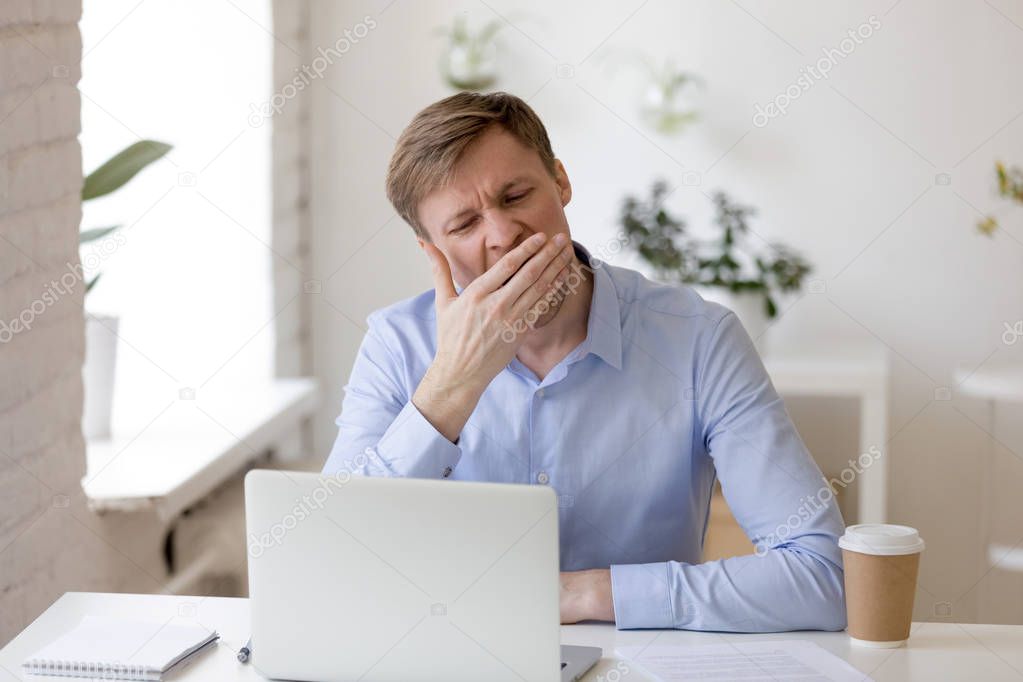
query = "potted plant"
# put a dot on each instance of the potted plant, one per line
(101, 329)
(1010, 186)
(727, 268)
(666, 104)
(469, 60)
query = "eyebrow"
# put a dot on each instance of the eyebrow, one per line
(504, 188)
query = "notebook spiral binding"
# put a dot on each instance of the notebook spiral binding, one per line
(104, 671)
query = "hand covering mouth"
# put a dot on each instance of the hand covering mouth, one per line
(512, 275)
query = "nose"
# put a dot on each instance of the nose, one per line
(504, 233)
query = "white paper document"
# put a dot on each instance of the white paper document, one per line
(748, 661)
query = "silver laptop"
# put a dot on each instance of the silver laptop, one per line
(366, 578)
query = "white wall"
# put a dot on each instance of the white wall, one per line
(848, 175)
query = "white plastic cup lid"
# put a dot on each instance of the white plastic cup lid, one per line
(881, 538)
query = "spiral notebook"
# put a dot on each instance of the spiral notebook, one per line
(119, 649)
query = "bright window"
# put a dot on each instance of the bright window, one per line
(190, 277)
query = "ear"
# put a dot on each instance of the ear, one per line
(561, 178)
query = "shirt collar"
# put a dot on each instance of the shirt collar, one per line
(604, 328)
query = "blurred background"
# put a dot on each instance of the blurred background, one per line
(846, 176)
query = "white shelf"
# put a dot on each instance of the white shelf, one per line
(854, 372)
(838, 372)
(1005, 557)
(171, 462)
(993, 381)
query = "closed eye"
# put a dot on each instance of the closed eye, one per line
(509, 199)
(464, 226)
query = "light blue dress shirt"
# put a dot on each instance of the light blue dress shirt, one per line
(666, 393)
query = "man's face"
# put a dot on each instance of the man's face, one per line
(499, 195)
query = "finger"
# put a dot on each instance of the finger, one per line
(494, 278)
(546, 284)
(442, 282)
(528, 275)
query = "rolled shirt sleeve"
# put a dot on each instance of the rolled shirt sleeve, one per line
(776, 492)
(380, 430)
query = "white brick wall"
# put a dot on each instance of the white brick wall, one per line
(291, 218)
(49, 542)
(291, 227)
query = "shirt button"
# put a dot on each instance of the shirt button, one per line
(542, 478)
(447, 471)
(539, 393)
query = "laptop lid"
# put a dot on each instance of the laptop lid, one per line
(373, 578)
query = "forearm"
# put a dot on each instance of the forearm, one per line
(446, 400)
(387, 429)
(785, 589)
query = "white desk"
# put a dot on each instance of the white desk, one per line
(936, 651)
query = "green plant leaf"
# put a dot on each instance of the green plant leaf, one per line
(489, 31)
(92, 282)
(92, 235)
(726, 261)
(988, 225)
(122, 167)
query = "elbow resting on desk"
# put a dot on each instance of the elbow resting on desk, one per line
(823, 602)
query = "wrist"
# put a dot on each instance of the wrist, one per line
(449, 387)
(444, 403)
(601, 598)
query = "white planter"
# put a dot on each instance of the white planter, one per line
(98, 374)
(470, 68)
(748, 307)
(667, 112)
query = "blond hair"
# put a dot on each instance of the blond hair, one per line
(430, 146)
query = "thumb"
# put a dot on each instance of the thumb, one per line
(442, 282)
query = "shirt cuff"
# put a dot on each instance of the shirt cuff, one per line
(413, 447)
(641, 596)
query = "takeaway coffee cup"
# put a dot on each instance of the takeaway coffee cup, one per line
(881, 562)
